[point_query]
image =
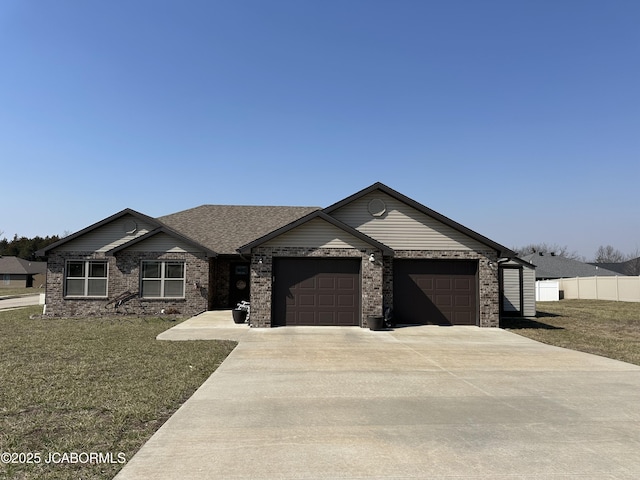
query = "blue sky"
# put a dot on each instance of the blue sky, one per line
(519, 119)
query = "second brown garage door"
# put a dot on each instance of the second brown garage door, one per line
(318, 291)
(438, 292)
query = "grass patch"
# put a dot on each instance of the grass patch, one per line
(91, 385)
(609, 329)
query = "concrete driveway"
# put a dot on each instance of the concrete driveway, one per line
(416, 402)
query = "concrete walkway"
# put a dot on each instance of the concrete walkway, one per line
(416, 402)
(18, 301)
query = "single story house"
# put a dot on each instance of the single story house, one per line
(549, 266)
(374, 250)
(630, 267)
(20, 273)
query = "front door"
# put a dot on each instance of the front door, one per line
(238, 283)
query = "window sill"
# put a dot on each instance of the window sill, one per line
(163, 299)
(84, 298)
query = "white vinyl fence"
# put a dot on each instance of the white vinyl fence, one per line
(547, 291)
(619, 288)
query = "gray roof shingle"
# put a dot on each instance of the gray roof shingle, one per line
(224, 228)
(630, 267)
(552, 266)
(19, 266)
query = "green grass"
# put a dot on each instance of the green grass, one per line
(91, 385)
(609, 329)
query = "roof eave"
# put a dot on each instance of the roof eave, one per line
(127, 211)
(246, 249)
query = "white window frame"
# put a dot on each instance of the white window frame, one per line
(86, 279)
(163, 279)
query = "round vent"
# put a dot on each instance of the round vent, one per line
(129, 226)
(377, 207)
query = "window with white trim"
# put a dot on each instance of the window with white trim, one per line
(162, 279)
(86, 278)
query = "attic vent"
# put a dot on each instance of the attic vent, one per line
(376, 207)
(129, 226)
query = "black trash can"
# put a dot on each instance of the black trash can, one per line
(239, 316)
(375, 322)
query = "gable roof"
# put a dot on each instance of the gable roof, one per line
(307, 218)
(501, 249)
(167, 231)
(224, 228)
(20, 266)
(553, 266)
(127, 211)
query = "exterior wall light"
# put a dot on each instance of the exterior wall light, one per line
(372, 258)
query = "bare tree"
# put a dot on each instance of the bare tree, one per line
(633, 263)
(608, 254)
(560, 251)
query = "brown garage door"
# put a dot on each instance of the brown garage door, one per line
(437, 292)
(316, 291)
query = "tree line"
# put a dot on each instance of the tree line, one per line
(23, 247)
(604, 253)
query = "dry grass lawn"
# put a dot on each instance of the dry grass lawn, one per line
(90, 385)
(609, 329)
(106, 385)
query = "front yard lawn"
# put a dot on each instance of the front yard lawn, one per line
(90, 385)
(609, 329)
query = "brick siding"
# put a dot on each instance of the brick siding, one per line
(123, 276)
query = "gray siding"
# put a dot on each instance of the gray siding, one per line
(317, 233)
(528, 307)
(108, 236)
(511, 290)
(529, 288)
(162, 243)
(402, 227)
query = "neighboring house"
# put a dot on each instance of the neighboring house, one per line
(630, 267)
(550, 266)
(297, 265)
(19, 273)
